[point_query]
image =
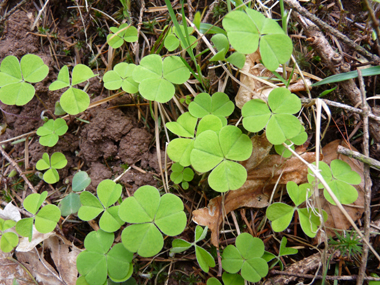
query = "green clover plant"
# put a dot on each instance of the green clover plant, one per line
(282, 252)
(250, 30)
(99, 260)
(228, 279)
(246, 257)
(73, 100)
(49, 133)
(124, 33)
(339, 178)
(149, 213)
(57, 161)
(204, 258)
(281, 214)
(181, 175)
(45, 220)
(108, 193)
(222, 45)
(9, 240)
(172, 41)
(156, 77)
(71, 203)
(279, 121)
(121, 76)
(15, 78)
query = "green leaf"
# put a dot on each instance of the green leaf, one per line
(286, 250)
(232, 279)
(70, 204)
(91, 207)
(74, 101)
(298, 194)
(80, 181)
(176, 177)
(180, 245)
(58, 160)
(275, 49)
(324, 170)
(157, 89)
(118, 262)
(232, 260)
(34, 201)
(7, 224)
(281, 215)
(110, 220)
(170, 217)
(209, 122)
(179, 150)
(63, 79)
(281, 101)
(10, 71)
(255, 115)
(150, 68)
(184, 126)
(93, 266)
(235, 145)
(254, 269)
(344, 192)
(131, 34)
(44, 162)
(228, 175)
(99, 241)
(219, 105)
(51, 176)
(204, 259)
(309, 221)
(24, 227)
(237, 59)
(214, 281)
(207, 152)
(176, 167)
(211, 29)
(108, 192)
(121, 76)
(174, 70)
(145, 239)
(33, 68)
(171, 42)
(81, 73)
(281, 127)
(219, 56)
(342, 171)
(142, 207)
(50, 131)
(17, 94)
(112, 80)
(188, 174)
(221, 43)
(8, 241)
(47, 218)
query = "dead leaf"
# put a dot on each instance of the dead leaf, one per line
(24, 244)
(336, 219)
(10, 269)
(10, 212)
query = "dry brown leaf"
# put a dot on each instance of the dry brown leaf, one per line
(263, 172)
(336, 219)
(260, 90)
(10, 269)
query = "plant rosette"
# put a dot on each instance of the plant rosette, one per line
(149, 214)
(246, 257)
(57, 161)
(121, 76)
(44, 219)
(108, 193)
(73, 100)
(9, 240)
(181, 175)
(15, 78)
(157, 77)
(339, 176)
(278, 118)
(281, 214)
(204, 258)
(124, 33)
(49, 133)
(99, 260)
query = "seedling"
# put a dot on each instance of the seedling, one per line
(156, 77)
(9, 240)
(108, 193)
(279, 121)
(250, 30)
(149, 213)
(339, 178)
(247, 257)
(57, 161)
(228, 279)
(204, 258)
(71, 203)
(222, 45)
(121, 76)
(181, 175)
(123, 33)
(49, 133)
(73, 100)
(45, 220)
(14, 76)
(98, 260)
(348, 243)
(218, 152)
(282, 252)
(281, 214)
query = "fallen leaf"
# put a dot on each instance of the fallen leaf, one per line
(10, 212)
(24, 244)
(10, 269)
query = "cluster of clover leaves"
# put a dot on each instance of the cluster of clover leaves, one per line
(205, 142)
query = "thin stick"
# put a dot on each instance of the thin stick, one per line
(373, 163)
(367, 181)
(335, 199)
(158, 149)
(311, 276)
(14, 164)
